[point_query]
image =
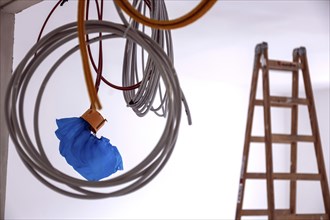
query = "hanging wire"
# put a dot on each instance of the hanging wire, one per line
(90, 55)
(186, 19)
(157, 68)
(141, 100)
(98, 68)
(60, 2)
(95, 102)
(32, 151)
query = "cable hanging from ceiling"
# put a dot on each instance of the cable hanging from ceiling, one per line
(141, 84)
(142, 100)
(193, 15)
(34, 156)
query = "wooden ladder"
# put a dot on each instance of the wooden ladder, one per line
(264, 64)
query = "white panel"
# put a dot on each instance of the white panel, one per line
(6, 60)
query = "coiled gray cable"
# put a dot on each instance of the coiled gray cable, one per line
(34, 156)
(142, 100)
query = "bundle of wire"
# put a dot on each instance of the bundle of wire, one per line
(32, 152)
(142, 100)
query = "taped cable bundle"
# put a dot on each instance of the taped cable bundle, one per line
(92, 157)
(32, 152)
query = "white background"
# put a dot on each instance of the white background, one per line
(214, 60)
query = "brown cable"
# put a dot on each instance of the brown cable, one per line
(49, 15)
(95, 102)
(185, 20)
(98, 69)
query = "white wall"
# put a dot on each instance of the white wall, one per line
(322, 97)
(213, 58)
(309, 192)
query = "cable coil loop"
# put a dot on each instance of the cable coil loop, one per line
(182, 21)
(33, 154)
(142, 99)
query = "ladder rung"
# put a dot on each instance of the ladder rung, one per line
(284, 138)
(303, 217)
(296, 176)
(281, 214)
(283, 65)
(255, 175)
(279, 101)
(285, 176)
(255, 212)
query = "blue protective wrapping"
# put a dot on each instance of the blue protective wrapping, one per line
(92, 157)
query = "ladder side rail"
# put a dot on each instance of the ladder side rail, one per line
(294, 132)
(315, 129)
(268, 136)
(248, 130)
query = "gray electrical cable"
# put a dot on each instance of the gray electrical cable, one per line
(142, 99)
(35, 158)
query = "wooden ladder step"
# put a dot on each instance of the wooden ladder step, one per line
(280, 101)
(285, 176)
(284, 138)
(302, 217)
(281, 214)
(258, 212)
(254, 212)
(268, 140)
(283, 65)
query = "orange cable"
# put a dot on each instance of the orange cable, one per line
(95, 102)
(186, 19)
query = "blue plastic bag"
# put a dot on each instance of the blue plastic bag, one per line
(94, 158)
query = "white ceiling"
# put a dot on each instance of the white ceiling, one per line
(213, 58)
